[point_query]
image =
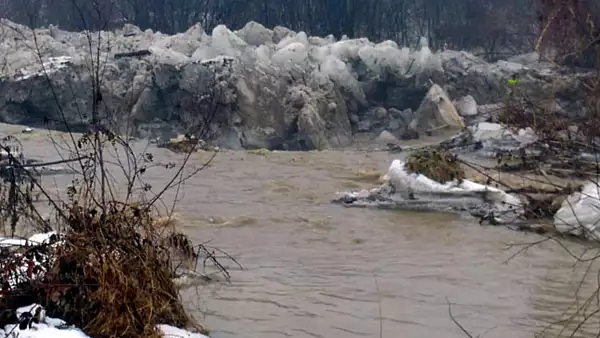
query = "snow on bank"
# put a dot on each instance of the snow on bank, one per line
(404, 190)
(36, 239)
(172, 332)
(50, 66)
(56, 328)
(23, 269)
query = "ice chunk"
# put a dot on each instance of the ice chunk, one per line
(205, 51)
(496, 137)
(301, 37)
(294, 53)
(347, 50)
(255, 34)
(467, 106)
(404, 190)
(263, 54)
(42, 331)
(579, 214)
(402, 180)
(387, 43)
(185, 43)
(322, 80)
(510, 67)
(42, 238)
(330, 38)
(338, 72)
(318, 41)
(425, 59)
(53, 64)
(385, 57)
(280, 33)
(225, 42)
(168, 56)
(370, 57)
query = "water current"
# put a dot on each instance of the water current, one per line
(314, 269)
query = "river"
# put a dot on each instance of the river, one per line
(314, 269)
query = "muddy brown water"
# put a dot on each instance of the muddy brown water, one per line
(314, 269)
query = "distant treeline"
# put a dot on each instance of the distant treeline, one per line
(494, 27)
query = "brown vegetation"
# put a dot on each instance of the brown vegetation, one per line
(115, 273)
(439, 165)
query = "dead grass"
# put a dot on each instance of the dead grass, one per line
(113, 276)
(439, 165)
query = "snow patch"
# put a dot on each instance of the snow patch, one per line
(57, 328)
(53, 65)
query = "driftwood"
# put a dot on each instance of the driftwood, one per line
(143, 52)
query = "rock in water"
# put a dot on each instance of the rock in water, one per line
(466, 106)
(436, 112)
(386, 137)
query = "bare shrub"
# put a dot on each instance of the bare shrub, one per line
(110, 269)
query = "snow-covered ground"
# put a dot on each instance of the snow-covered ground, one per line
(21, 269)
(57, 328)
(50, 327)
